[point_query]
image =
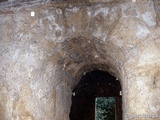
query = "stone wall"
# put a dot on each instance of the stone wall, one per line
(157, 9)
(44, 56)
(13, 3)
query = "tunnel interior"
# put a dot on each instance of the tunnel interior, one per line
(94, 84)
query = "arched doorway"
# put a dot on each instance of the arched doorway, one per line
(93, 85)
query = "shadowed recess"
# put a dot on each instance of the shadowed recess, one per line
(94, 84)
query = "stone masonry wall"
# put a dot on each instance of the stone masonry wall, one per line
(11, 3)
(43, 57)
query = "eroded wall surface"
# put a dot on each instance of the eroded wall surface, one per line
(42, 57)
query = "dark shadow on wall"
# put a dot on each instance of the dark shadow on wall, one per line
(82, 49)
(157, 10)
(94, 84)
(3, 0)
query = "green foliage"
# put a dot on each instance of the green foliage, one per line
(105, 108)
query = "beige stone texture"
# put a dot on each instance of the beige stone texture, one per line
(43, 57)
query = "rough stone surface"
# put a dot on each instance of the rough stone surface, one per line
(157, 9)
(43, 57)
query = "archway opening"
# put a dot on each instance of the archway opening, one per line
(92, 86)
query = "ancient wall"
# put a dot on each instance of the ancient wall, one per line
(42, 57)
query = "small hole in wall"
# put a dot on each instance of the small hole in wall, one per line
(32, 14)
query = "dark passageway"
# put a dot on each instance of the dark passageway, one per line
(94, 84)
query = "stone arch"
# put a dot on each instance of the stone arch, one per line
(93, 84)
(82, 54)
(78, 56)
(91, 67)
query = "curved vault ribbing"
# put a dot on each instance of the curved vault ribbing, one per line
(79, 56)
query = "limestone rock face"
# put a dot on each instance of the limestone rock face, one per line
(43, 57)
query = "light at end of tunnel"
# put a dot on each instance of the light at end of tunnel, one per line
(32, 14)
(120, 93)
